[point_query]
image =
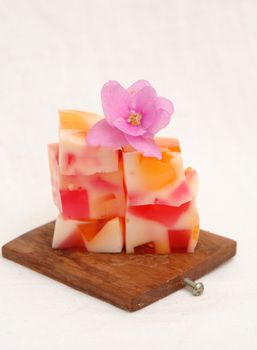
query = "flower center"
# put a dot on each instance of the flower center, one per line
(135, 118)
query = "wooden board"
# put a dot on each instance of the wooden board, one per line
(130, 282)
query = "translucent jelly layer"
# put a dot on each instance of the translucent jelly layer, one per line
(89, 197)
(100, 236)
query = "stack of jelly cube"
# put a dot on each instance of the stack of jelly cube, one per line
(118, 200)
(87, 184)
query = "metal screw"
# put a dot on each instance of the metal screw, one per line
(196, 288)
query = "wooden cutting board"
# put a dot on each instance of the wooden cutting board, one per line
(130, 282)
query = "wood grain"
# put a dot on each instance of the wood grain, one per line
(130, 282)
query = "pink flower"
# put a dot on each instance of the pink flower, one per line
(132, 117)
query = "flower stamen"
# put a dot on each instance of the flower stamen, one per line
(135, 119)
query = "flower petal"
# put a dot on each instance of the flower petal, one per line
(160, 122)
(164, 110)
(127, 128)
(143, 98)
(102, 134)
(115, 101)
(138, 85)
(147, 146)
(144, 102)
(149, 115)
(164, 103)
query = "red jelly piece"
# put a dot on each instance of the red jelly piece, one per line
(70, 159)
(74, 240)
(147, 248)
(75, 204)
(179, 240)
(164, 214)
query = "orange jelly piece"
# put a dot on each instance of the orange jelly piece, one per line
(77, 120)
(157, 174)
(90, 229)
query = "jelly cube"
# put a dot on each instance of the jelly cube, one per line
(150, 225)
(152, 181)
(162, 229)
(89, 197)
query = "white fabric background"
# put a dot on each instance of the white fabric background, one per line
(202, 54)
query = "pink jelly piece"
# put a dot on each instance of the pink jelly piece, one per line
(181, 194)
(102, 184)
(164, 214)
(74, 240)
(70, 159)
(75, 204)
(179, 240)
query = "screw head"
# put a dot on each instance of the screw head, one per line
(198, 289)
